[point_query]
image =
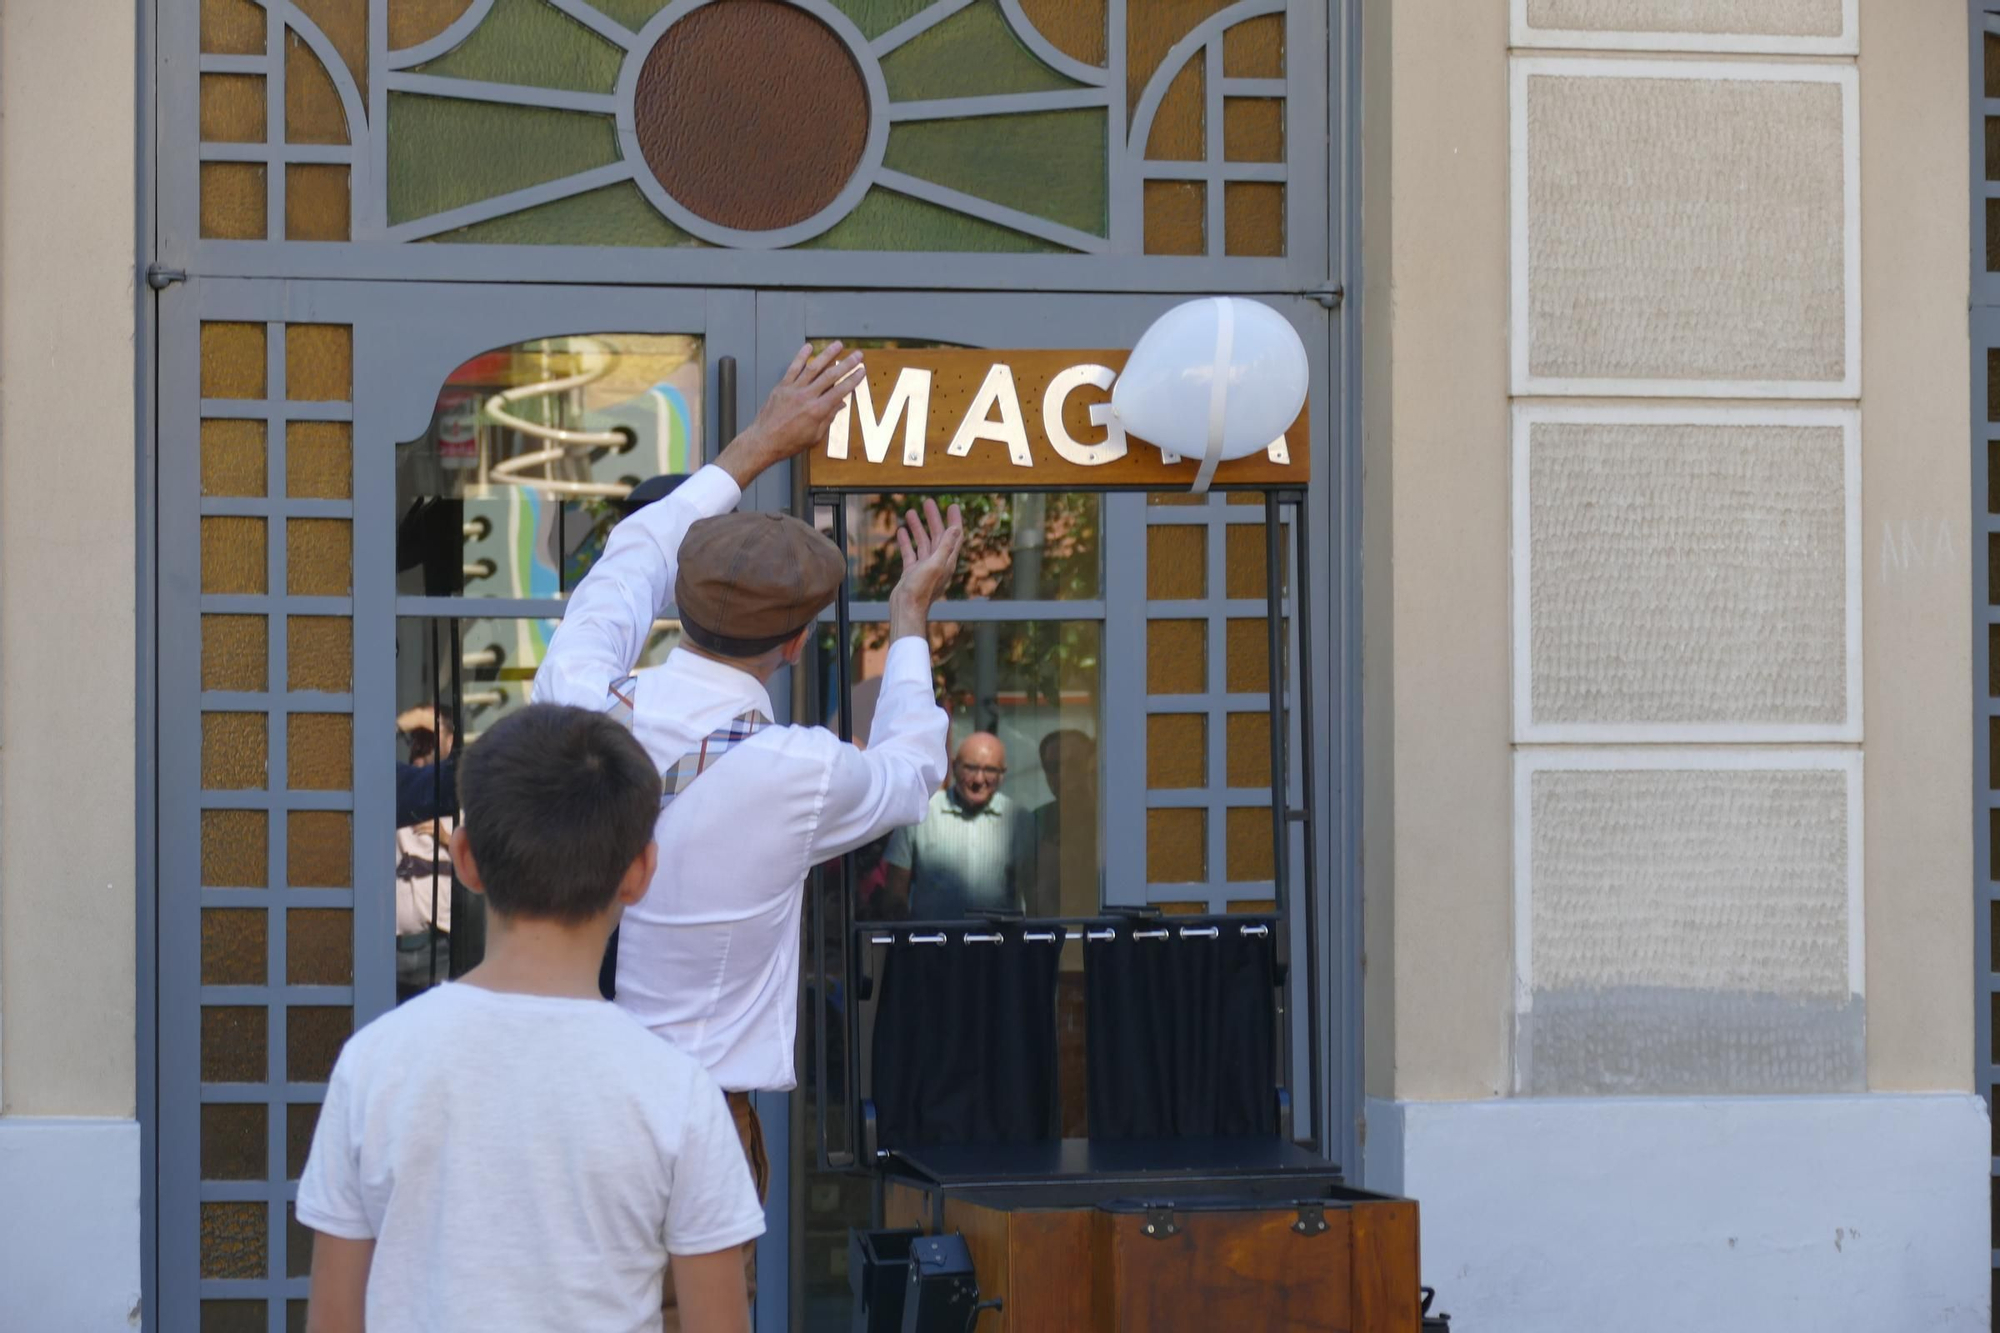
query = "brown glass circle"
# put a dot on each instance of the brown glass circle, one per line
(751, 113)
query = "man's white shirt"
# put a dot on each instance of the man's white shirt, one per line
(709, 958)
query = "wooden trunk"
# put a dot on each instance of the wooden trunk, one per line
(1237, 1269)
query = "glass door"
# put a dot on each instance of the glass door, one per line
(1104, 660)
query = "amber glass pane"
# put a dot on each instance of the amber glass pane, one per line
(1175, 498)
(233, 1241)
(320, 552)
(235, 848)
(232, 108)
(232, 946)
(1253, 219)
(319, 460)
(301, 1119)
(1176, 656)
(1245, 559)
(1176, 751)
(1251, 906)
(1993, 569)
(1151, 29)
(1255, 48)
(234, 653)
(414, 22)
(298, 1244)
(235, 751)
(1176, 217)
(233, 1317)
(313, 113)
(1993, 666)
(1992, 81)
(1253, 129)
(1993, 148)
(232, 28)
(1249, 656)
(232, 360)
(234, 201)
(232, 1043)
(1176, 561)
(1993, 237)
(319, 363)
(313, 1037)
(345, 23)
(1250, 851)
(316, 202)
(319, 849)
(319, 751)
(232, 1140)
(1074, 27)
(1247, 761)
(232, 456)
(319, 947)
(232, 555)
(1176, 846)
(1179, 132)
(319, 653)
(1992, 366)
(1194, 907)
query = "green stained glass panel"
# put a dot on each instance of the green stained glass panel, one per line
(445, 153)
(971, 54)
(528, 42)
(1051, 164)
(615, 215)
(875, 17)
(632, 13)
(885, 220)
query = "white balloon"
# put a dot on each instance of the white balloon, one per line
(1213, 379)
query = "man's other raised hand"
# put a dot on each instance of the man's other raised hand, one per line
(796, 415)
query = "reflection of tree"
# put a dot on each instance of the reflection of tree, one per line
(1016, 547)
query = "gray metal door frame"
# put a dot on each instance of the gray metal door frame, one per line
(1984, 28)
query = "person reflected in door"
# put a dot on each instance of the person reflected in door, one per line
(709, 957)
(975, 850)
(1065, 879)
(423, 859)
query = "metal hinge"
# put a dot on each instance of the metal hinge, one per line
(1312, 1219)
(159, 277)
(1160, 1223)
(1330, 295)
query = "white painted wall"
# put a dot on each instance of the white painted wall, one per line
(1845, 1214)
(69, 1225)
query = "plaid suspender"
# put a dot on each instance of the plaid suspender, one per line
(675, 780)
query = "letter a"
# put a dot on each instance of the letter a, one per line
(998, 389)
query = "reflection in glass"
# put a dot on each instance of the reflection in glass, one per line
(455, 678)
(514, 486)
(1017, 547)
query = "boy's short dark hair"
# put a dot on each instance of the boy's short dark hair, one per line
(558, 803)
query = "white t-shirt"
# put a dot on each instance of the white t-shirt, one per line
(522, 1162)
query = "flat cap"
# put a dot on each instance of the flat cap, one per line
(748, 582)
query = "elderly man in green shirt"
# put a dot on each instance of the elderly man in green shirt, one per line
(975, 850)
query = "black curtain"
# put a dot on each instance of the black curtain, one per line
(1182, 1033)
(965, 1042)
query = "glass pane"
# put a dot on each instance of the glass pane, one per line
(1045, 547)
(1176, 846)
(234, 202)
(232, 108)
(1245, 560)
(235, 848)
(233, 1240)
(513, 489)
(235, 751)
(314, 1035)
(233, 1317)
(1176, 218)
(232, 456)
(1176, 561)
(232, 946)
(319, 555)
(1051, 164)
(232, 1043)
(232, 28)
(446, 152)
(319, 946)
(1176, 751)
(1248, 651)
(301, 1119)
(298, 1244)
(319, 751)
(232, 555)
(232, 1140)
(1074, 27)
(295, 1316)
(1176, 656)
(1248, 761)
(313, 113)
(319, 653)
(1255, 48)
(1180, 125)
(317, 201)
(319, 363)
(1250, 849)
(234, 653)
(528, 42)
(319, 460)
(1253, 129)
(1151, 30)
(970, 54)
(232, 360)
(1018, 824)
(319, 849)
(1253, 218)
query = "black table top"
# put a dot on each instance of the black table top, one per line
(1074, 1172)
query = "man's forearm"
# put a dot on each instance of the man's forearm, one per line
(907, 618)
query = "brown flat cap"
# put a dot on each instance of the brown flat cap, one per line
(748, 582)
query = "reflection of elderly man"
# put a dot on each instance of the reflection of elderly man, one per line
(975, 850)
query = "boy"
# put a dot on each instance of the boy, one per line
(510, 1151)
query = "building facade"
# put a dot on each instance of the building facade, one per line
(1648, 562)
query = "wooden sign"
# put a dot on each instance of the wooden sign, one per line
(976, 420)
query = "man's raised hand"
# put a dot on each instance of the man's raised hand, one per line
(795, 417)
(929, 543)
